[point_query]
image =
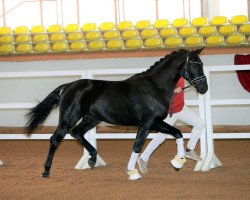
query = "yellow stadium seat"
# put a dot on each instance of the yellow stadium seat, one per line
(180, 22)
(4, 30)
(155, 42)
(143, 24)
(55, 28)
(245, 29)
(199, 21)
(161, 23)
(125, 25)
(107, 35)
(40, 37)
(24, 48)
(116, 44)
(75, 36)
(89, 27)
(77, 46)
(219, 20)
(93, 35)
(59, 47)
(135, 43)
(41, 47)
(235, 40)
(71, 28)
(194, 41)
(25, 38)
(207, 30)
(128, 34)
(215, 40)
(106, 26)
(147, 33)
(7, 49)
(37, 29)
(96, 45)
(239, 19)
(226, 30)
(6, 39)
(56, 37)
(173, 42)
(168, 32)
(187, 31)
(21, 30)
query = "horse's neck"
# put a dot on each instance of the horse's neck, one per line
(166, 77)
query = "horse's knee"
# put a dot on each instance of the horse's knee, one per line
(178, 134)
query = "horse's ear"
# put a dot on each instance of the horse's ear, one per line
(198, 51)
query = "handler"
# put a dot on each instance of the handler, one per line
(180, 112)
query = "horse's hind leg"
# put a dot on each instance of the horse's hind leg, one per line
(78, 132)
(55, 139)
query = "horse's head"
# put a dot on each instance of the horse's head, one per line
(193, 71)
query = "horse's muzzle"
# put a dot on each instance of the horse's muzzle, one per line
(202, 87)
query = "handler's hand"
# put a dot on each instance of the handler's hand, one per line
(178, 90)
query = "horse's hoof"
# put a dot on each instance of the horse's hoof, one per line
(178, 163)
(45, 175)
(134, 175)
(91, 164)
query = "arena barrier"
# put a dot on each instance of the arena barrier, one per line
(204, 103)
(211, 160)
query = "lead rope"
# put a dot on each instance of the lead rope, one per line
(171, 102)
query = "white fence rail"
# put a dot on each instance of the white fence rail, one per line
(211, 160)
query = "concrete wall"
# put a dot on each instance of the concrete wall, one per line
(30, 90)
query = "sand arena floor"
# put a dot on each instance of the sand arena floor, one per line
(20, 176)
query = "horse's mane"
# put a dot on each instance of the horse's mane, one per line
(165, 59)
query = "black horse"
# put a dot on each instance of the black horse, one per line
(141, 100)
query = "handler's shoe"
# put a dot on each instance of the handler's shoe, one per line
(143, 166)
(1, 162)
(192, 155)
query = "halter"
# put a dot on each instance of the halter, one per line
(198, 79)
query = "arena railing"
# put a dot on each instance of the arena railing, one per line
(211, 160)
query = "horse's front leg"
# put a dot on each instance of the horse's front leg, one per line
(139, 141)
(179, 160)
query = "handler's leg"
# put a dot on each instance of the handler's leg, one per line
(140, 139)
(190, 117)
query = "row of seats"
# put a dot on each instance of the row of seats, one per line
(204, 31)
(130, 44)
(141, 24)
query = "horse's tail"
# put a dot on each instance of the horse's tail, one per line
(39, 113)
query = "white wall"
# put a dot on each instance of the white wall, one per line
(29, 90)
